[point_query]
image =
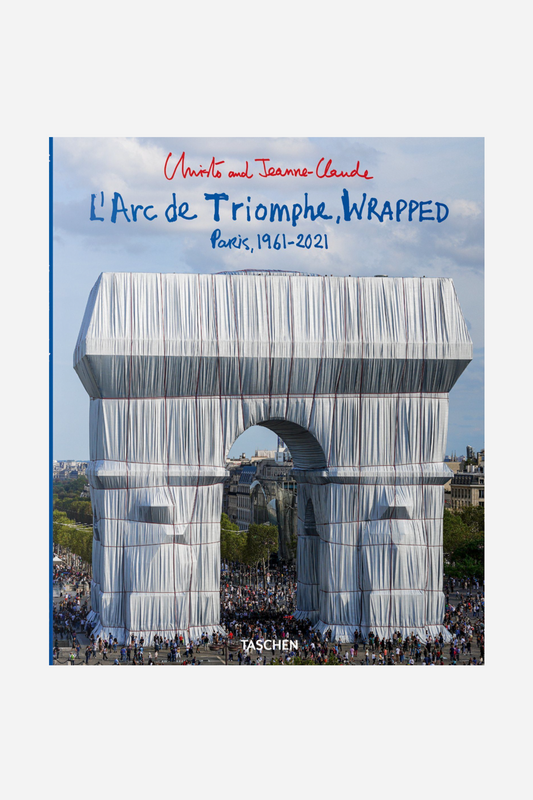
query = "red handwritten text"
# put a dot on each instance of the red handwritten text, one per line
(332, 173)
(243, 174)
(271, 172)
(187, 172)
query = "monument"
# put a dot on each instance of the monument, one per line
(352, 373)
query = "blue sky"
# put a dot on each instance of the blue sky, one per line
(447, 170)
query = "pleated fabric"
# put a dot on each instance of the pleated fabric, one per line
(352, 373)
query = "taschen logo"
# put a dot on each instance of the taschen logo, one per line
(269, 644)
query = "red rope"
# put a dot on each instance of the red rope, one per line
(321, 351)
(366, 591)
(395, 444)
(292, 347)
(238, 351)
(370, 544)
(162, 544)
(267, 303)
(359, 527)
(202, 522)
(252, 395)
(420, 434)
(371, 519)
(163, 524)
(219, 466)
(127, 452)
(181, 591)
(334, 409)
(168, 446)
(198, 447)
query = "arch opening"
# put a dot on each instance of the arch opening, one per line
(306, 451)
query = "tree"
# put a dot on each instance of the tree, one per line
(453, 533)
(262, 541)
(66, 497)
(232, 541)
(66, 534)
(474, 518)
(60, 528)
(463, 538)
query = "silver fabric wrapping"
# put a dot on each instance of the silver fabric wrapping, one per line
(353, 374)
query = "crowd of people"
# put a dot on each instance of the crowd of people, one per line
(265, 611)
(71, 590)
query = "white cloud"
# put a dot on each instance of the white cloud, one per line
(465, 208)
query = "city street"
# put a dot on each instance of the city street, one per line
(206, 655)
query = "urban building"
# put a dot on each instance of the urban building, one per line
(455, 466)
(262, 490)
(68, 470)
(467, 488)
(229, 496)
(244, 501)
(459, 496)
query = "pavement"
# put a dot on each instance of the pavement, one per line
(208, 657)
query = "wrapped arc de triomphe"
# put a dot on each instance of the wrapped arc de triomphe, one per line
(352, 373)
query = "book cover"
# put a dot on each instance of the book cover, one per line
(267, 394)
